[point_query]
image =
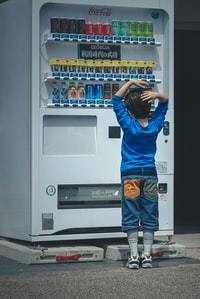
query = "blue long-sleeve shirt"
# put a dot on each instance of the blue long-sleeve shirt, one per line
(139, 143)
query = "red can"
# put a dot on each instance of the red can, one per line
(107, 29)
(98, 29)
(89, 28)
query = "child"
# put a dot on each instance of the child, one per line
(138, 172)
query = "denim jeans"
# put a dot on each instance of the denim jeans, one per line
(140, 200)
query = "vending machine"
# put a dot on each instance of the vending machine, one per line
(61, 63)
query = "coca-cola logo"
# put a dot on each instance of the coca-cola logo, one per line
(100, 11)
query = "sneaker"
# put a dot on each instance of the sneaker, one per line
(133, 262)
(146, 261)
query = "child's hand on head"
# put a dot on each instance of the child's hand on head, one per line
(140, 83)
(149, 95)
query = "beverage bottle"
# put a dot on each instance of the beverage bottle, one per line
(63, 93)
(107, 91)
(132, 28)
(123, 28)
(72, 91)
(98, 29)
(139, 29)
(89, 28)
(89, 91)
(55, 25)
(81, 91)
(150, 29)
(106, 29)
(55, 94)
(99, 91)
(115, 27)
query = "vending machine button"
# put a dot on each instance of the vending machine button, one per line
(100, 38)
(108, 38)
(134, 40)
(82, 37)
(151, 40)
(117, 39)
(143, 40)
(56, 36)
(73, 37)
(65, 37)
(133, 76)
(91, 38)
(82, 76)
(126, 39)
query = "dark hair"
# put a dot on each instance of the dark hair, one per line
(134, 104)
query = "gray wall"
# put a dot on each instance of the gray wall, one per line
(187, 107)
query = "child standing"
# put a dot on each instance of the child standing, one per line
(138, 171)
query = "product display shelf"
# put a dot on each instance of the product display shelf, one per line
(99, 77)
(83, 104)
(65, 37)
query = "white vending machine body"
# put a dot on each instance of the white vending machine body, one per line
(61, 155)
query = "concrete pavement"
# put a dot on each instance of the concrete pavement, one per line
(113, 281)
(175, 278)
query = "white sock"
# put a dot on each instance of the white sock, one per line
(148, 237)
(133, 241)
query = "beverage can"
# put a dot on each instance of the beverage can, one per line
(141, 70)
(72, 68)
(89, 91)
(55, 25)
(99, 91)
(64, 26)
(115, 27)
(106, 29)
(149, 70)
(123, 28)
(138, 28)
(98, 69)
(115, 69)
(107, 91)
(124, 69)
(55, 68)
(132, 70)
(89, 28)
(97, 27)
(130, 28)
(73, 26)
(81, 26)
